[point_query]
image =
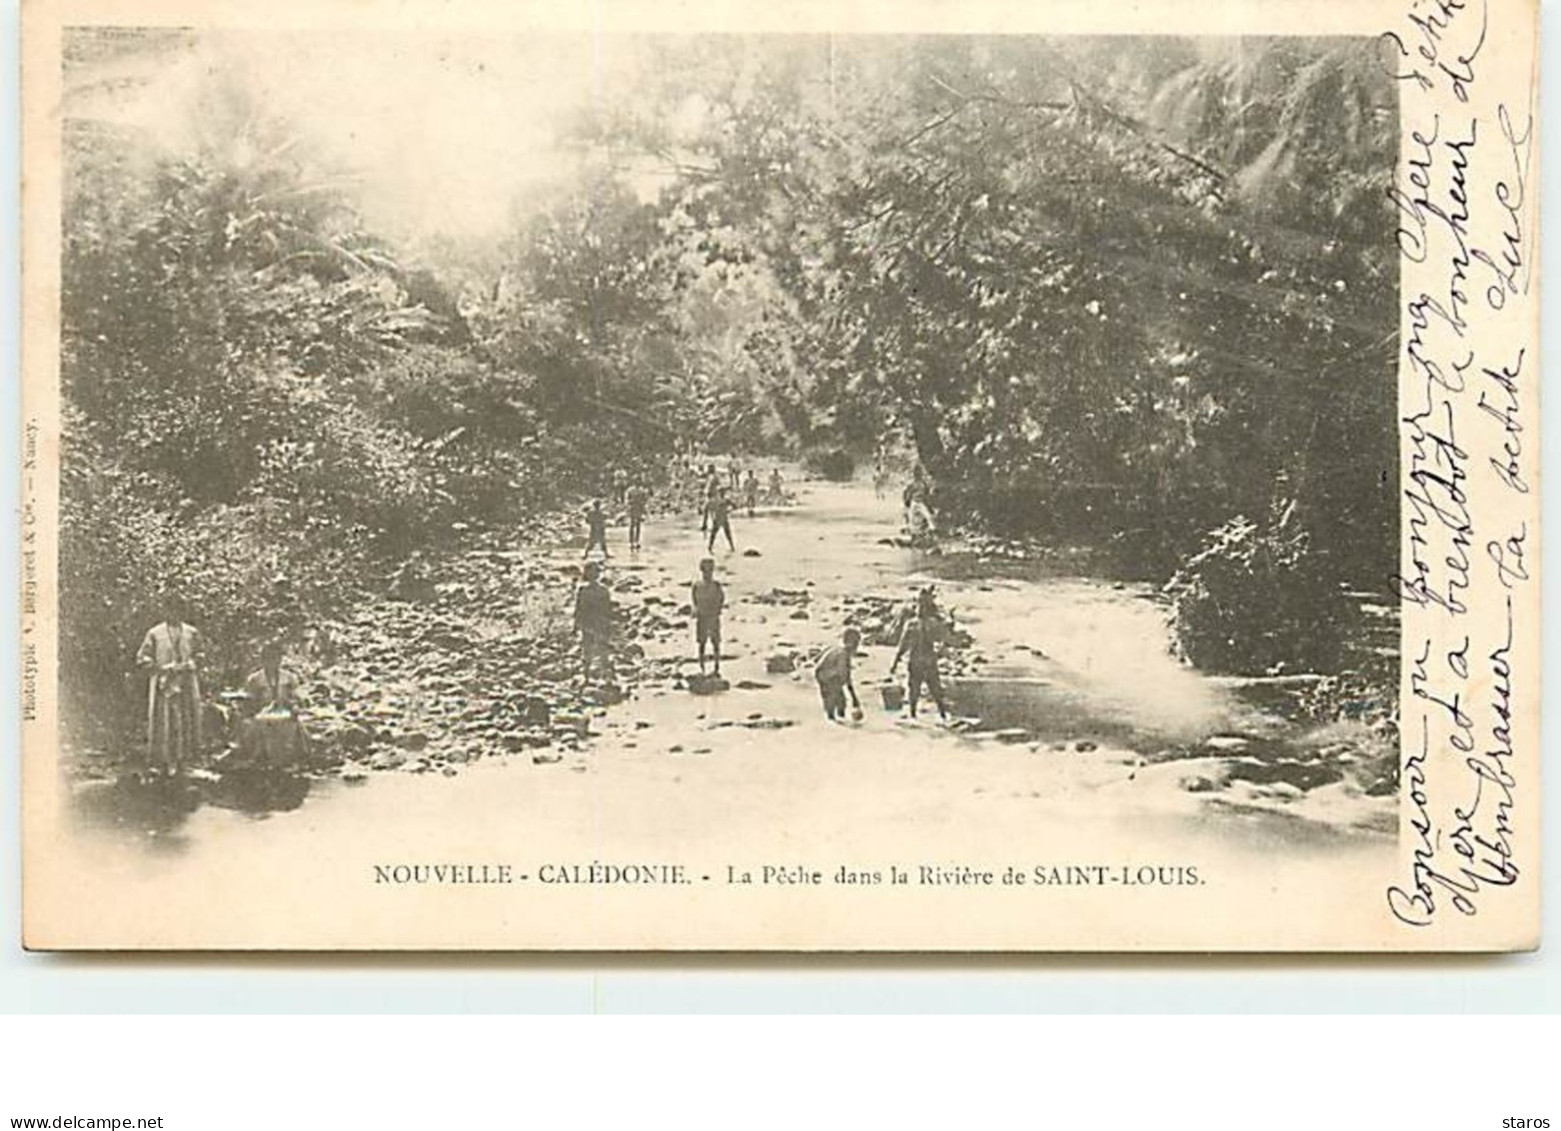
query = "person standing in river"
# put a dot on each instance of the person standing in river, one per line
(637, 499)
(751, 491)
(709, 485)
(170, 654)
(720, 519)
(596, 529)
(919, 648)
(708, 598)
(593, 620)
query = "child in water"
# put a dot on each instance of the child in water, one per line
(833, 673)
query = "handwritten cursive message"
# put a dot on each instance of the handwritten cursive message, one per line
(1468, 394)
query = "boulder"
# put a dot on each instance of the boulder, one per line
(387, 760)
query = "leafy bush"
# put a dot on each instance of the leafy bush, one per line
(831, 463)
(1259, 600)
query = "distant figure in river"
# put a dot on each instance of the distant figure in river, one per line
(751, 491)
(919, 525)
(170, 653)
(734, 474)
(720, 519)
(919, 641)
(271, 734)
(596, 529)
(833, 673)
(710, 486)
(709, 598)
(593, 620)
(620, 485)
(637, 499)
(777, 490)
(880, 470)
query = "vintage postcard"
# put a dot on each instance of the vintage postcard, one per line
(806, 477)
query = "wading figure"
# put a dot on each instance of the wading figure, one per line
(720, 519)
(638, 499)
(751, 491)
(919, 648)
(170, 653)
(709, 598)
(596, 529)
(710, 487)
(593, 620)
(833, 673)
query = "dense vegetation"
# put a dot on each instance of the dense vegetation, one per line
(1137, 295)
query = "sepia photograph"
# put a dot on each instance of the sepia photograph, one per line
(544, 488)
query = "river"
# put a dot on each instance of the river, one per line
(1080, 666)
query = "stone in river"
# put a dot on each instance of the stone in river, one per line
(546, 757)
(1012, 735)
(750, 553)
(1197, 783)
(536, 712)
(1084, 747)
(780, 663)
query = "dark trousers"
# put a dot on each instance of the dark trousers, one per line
(918, 675)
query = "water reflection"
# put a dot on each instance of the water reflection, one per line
(144, 805)
(156, 807)
(258, 792)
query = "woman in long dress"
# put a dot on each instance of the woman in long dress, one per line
(170, 653)
(272, 737)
